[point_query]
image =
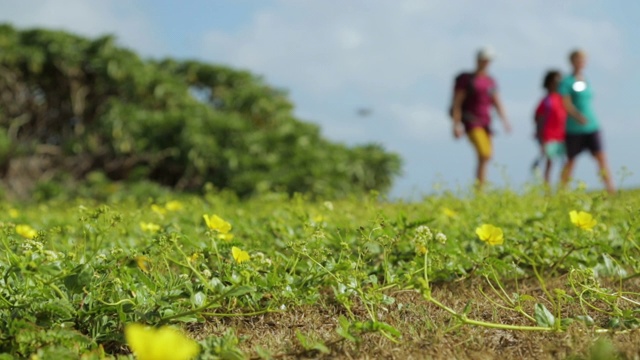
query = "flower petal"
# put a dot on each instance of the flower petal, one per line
(239, 255)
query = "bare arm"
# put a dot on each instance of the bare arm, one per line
(572, 110)
(456, 112)
(497, 103)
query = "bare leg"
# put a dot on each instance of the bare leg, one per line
(603, 169)
(481, 171)
(547, 172)
(567, 171)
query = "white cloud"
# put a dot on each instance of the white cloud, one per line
(372, 46)
(123, 18)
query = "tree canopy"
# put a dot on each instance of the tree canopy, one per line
(86, 105)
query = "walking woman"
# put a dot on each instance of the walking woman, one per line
(583, 129)
(474, 95)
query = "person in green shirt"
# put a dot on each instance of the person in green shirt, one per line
(583, 129)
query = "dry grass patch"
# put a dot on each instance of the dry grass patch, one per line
(428, 332)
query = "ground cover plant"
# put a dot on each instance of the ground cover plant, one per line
(499, 274)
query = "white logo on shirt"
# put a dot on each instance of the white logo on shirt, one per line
(579, 86)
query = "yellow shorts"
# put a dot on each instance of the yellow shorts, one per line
(481, 141)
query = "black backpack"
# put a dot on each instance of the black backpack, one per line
(469, 86)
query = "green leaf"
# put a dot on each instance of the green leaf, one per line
(467, 308)
(602, 349)
(304, 341)
(543, 316)
(198, 299)
(239, 291)
(263, 353)
(614, 323)
(525, 297)
(190, 319)
(232, 354)
(346, 334)
(388, 300)
(344, 329)
(78, 280)
(588, 320)
(383, 326)
(310, 344)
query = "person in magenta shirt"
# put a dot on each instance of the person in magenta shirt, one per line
(475, 93)
(551, 118)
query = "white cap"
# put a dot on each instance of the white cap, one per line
(486, 53)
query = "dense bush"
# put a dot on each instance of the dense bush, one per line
(88, 105)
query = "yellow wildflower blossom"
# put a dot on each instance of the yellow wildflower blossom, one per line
(173, 205)
(216, 223)
(165, 343)
(239, 255)
(26, 231)
(158, 209)
(193, 257)
(449, 213)
(149, 227)
(225, 237)
(143, 263)
(582, 219)
(421, 249)
(490, 234)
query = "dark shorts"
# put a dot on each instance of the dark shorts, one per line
(576, 143)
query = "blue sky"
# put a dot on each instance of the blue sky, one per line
(397, 58)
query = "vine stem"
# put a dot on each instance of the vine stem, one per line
(486, 324)
(463, 318)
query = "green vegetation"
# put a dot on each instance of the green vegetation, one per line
(70, 106)
(250, 268)
(280, 276)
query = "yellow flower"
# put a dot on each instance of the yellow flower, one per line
(173, 205)
(214, 222)
(449, 213)
(239, 255)
(582, 219)
(225, 237)
(490, 234)
(149, 227)
(158, 209)
(143, 263)
(26, 231)
(13, 213)
(193, 257)
(421, 249)
(165, 343)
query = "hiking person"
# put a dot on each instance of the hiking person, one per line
(474, 95)
(583, 128)
(550, 119)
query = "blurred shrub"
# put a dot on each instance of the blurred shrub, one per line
(96, 106)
